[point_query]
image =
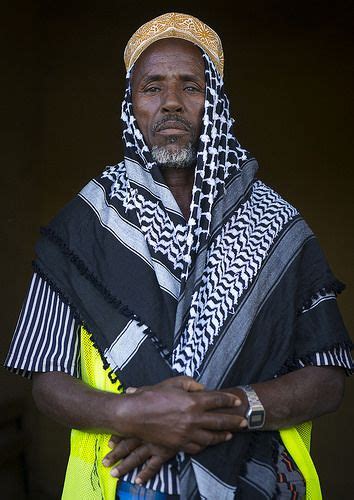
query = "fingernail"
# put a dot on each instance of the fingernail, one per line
(238, 402)
(228, 436)
(115, 472)
(243, 423)
(131, 390)
(111, 444)
(105, 462)
(138, 481)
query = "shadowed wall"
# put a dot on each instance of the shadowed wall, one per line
(289, 76)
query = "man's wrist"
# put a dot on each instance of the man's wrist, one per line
(124, 413)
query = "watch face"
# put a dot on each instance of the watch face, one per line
(256, 419)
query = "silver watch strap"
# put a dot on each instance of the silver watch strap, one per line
(251, 394)
(256, 413)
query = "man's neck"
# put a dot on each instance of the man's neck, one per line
(180, 181)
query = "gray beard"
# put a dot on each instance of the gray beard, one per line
(181, 158)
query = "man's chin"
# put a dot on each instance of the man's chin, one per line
(174, 155)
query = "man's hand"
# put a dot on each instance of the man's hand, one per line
(182, 382)
(172, 411)
(179, 415)
(133, 453)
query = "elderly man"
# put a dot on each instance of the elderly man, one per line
(199, 300)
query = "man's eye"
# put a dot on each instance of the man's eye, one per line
(152, 90)
(192, 89)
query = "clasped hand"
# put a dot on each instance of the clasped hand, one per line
(175, 415)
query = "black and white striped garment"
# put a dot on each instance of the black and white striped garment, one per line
(46, 337)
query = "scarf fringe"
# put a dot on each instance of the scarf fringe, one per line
(242, 490)
(334, 285)
(106, 294)
(291, 364)
(275, 456)
(243, 468)
(37, 269)
(111, 374)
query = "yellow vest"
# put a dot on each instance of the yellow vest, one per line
(87, 479)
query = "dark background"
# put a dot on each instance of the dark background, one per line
(289, 75)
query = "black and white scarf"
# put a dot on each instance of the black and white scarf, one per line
(216, 297)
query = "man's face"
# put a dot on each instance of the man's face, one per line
(168, 87)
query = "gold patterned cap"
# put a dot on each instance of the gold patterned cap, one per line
(174, 25)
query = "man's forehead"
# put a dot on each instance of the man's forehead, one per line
(170, 52)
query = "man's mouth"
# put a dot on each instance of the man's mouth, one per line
(171, 126)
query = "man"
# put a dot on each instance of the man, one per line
(184, 280)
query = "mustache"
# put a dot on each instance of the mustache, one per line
(171, 118)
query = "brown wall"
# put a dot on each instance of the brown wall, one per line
(289, 75)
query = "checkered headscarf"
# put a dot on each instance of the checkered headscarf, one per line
(219, 155)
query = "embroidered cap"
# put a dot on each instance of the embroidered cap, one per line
(174, 25)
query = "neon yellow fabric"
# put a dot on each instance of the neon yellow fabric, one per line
(87, 479)
(297, 441)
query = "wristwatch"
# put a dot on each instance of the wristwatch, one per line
(255, 414)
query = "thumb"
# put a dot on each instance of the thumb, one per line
(187, 384)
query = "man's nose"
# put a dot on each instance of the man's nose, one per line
(172, 101)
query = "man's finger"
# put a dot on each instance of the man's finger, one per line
(184, 382)
(113, 440)
(212, 400)
(137, 457)
(121, 450)
(131, 390)
(151, 468)
(206, 438)
(222, 422)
